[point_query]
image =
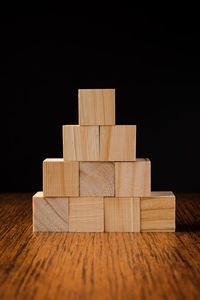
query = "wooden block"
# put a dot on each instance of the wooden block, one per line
(80, 143)
(60, 179)
(133, 179)
(86, 214)
(96, 179)
(118, 143)
(96, 107)
(50, 214)
(158, 212)
(122, 214)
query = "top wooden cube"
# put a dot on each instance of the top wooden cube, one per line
(96, 106)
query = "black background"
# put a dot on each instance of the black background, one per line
(151, 59)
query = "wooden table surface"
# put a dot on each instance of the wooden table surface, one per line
(98, 265)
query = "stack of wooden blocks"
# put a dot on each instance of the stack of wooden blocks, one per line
(99, 185)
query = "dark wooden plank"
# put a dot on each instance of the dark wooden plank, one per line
(100, 265)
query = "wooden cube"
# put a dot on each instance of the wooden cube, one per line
(122, 214)
(133, 179)
(80, 143)
(158, 212)
(96, 106)
(118, 143)
(96, 179)
(60, 179)
(50, 214)
(86, 214)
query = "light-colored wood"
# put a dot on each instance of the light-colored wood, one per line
(158, 212)
(60, 178)
(96, 106)
(86, 214)
(50, 214)
(133, 179)
(136, 214)
(80, 143)
(122, 214)
(118, 143)
(96, 179)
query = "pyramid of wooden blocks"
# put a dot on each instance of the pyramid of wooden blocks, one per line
(99, 185)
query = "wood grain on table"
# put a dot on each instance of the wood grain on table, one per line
(98, 265)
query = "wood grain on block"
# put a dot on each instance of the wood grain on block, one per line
(86, 214)
(50, 214)
(133, 179)
(158, 212)
(96, 106)
(80, 143)
(60, 178)
(96, 179)
(118, 143)
(122, 214)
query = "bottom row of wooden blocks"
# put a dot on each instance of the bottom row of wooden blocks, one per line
(109, 214)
